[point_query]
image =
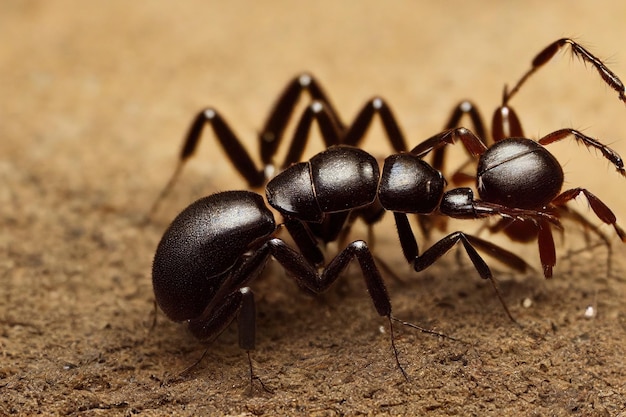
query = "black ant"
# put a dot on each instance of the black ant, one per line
(220, 243)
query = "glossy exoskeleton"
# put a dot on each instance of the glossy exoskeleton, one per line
(219, 244)
(521, 173)
(214, 249)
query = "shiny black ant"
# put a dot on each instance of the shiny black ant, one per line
(219, 244)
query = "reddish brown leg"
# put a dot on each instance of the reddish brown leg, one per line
(600, 209)
(505, 123)
(589, 142)
(464, 108)
(547, 251)
(577, 50)
(427, 223)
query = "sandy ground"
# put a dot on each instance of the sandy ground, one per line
(95, 100)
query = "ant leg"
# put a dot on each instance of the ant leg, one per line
(363, 120)
(411, 252)
(305, 241)
(474, 145)
(589, 142)
(547, 251)
(600, 209)
(247, 333)
(214, 321)
(270, 137)
(577, 50)
(508, 258)
(566, 212)
(478, 127)
(331, 227)
(229, 142)
(468, 108)
(427, 223)
(327, 123)
(408, 243)
(421, 262)
(505, 123)
(307, 277)
(240, 303)
(233, 149)
(274, 128)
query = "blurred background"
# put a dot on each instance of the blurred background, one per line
(96, 98)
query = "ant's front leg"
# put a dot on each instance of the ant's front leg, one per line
(427, 223)
(464, 108)
(589, 142)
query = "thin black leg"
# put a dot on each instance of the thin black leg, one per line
(363, 120)
(444, 245)
(272, 133)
